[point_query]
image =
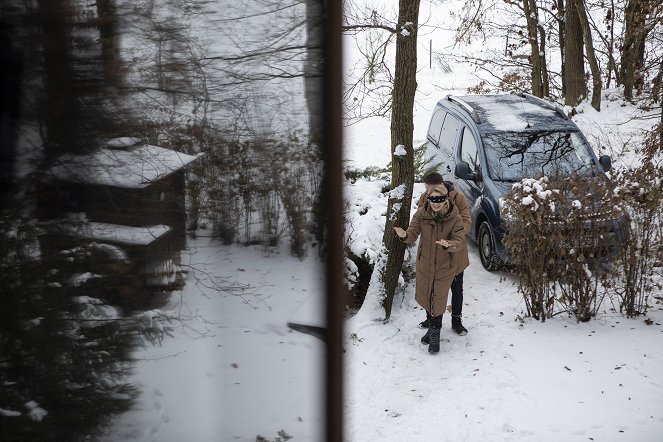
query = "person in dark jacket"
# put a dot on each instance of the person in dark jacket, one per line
(439, 227)
(459, 200)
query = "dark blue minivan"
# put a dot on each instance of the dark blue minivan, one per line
(488, 142)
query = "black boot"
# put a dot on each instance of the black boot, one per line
(426, 323)
(425, 339)
(434, 335)
(457, 325)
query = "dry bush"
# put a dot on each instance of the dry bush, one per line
(514, 81)
(641, 194)
(260, 190)
(479, 88)
(561, 234)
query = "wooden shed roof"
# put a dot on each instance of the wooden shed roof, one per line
(135, 167)
(113, 233)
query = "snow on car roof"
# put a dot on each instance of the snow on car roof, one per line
(511, 113)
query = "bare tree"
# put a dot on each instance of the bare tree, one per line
(236, 102)
(608, 40)
(559, 16)
(574, 65)
(591, 55)
(369, 87)
(637, 25)
(373, 81)
(109, 40)
(537, 57)
(402, 128)
(314, 67)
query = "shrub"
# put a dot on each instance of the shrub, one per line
(556, 231)
(641, 193)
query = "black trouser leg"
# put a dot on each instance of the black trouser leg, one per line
(426, 323)
(457, 305)
(434, 334)
(457, 295)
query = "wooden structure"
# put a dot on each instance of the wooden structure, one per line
(129, 195)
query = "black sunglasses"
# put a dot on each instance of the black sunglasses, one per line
(438, 198)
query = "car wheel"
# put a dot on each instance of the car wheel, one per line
(487, 252)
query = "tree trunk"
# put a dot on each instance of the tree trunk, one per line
(612, 65)
(562, 38)
(591, 56)
(545, 80)
(60, 98)
(313, 79)
(632, 50)
(574, 66)
(108, 39)
(313, 68)
(11, 73)
(657, 83)
(402, 128)
(530, 10)
(75, 88)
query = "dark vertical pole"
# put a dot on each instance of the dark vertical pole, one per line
(333, 209)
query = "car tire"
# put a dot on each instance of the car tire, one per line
(487, 252)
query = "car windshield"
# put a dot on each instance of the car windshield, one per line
(513, 156)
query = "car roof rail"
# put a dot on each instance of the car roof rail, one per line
(467, 107)
(542, 102)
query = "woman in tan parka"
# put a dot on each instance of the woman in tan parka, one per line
(457, 199)
(440, 228)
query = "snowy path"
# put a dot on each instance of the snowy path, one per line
(506, 380)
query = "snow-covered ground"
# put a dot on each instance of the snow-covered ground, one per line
(508, 379)
(511, 378)
(233, 369)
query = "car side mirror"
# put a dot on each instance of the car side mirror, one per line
(462, 171)
(605, 162)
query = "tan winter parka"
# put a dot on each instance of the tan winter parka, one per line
(436, 266)
(458, 200)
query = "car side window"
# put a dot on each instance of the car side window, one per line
(468, 150)
(448, 134)
(436, 126)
